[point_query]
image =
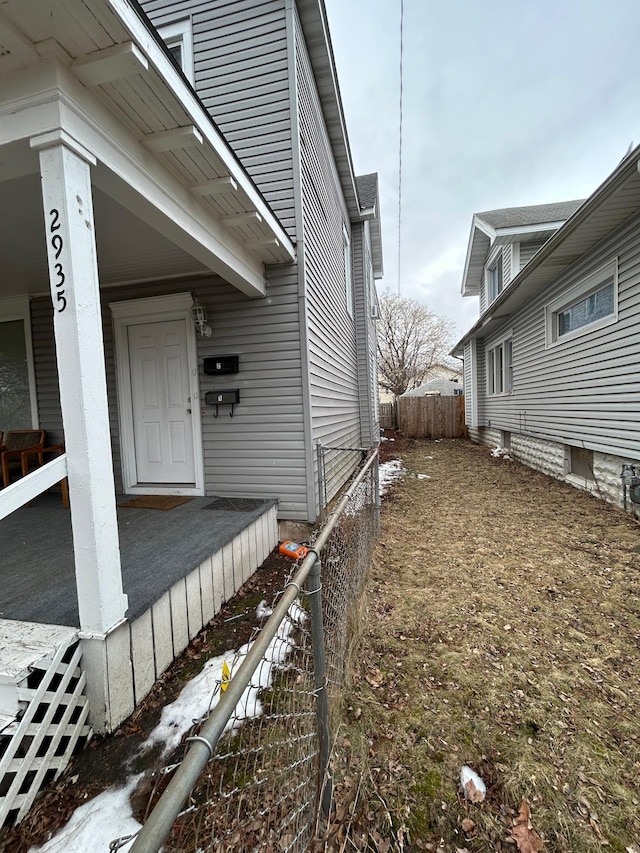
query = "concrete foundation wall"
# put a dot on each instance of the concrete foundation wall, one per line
(551, 458)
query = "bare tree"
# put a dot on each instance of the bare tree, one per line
(411, 341)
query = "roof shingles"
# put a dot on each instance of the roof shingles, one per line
(512, 217)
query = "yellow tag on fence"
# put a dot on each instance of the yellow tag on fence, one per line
(226, 676)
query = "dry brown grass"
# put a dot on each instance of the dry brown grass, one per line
(502, 631)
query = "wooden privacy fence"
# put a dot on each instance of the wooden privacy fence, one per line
(432, 417)
(388, 416)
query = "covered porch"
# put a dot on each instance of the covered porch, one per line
(158, 550)
(112, 175)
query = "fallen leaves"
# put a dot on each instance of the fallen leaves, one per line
(523, 833)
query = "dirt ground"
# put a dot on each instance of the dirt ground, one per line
(108, 761)
(502, 632)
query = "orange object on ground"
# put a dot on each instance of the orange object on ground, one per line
(293, 550)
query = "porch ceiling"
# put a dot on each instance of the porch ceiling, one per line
(117, 57)
(128, 249)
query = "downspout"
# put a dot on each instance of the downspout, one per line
(305, 372)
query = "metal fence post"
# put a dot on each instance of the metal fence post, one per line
(314, 587)
(320, 459)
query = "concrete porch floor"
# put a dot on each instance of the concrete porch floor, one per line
(157, 548)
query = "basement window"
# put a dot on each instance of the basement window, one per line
(581, 462)
(590, 305)
(178, 37)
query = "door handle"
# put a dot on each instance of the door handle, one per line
(188, 411)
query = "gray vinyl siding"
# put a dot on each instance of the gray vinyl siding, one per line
(334, 389)
(242, 78)
(585, 391)
(469, 389)
(528, 250)
(481, 382)
(260, 451)
(365, 327)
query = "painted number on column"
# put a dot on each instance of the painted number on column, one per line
(57, 243)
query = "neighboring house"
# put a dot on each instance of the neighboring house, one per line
(552, 366)
(437, 387)
(183, 238)
(436, 373)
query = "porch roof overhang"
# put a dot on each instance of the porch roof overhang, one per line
(165, 177)
(615, 200)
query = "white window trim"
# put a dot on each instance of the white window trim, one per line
(587, 285)
(500, 342)
(18, 308)
(348, 278)
(497, 258)
(181, 32)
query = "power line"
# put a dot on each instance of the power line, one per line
(400, 150)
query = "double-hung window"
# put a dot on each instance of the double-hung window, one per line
(590, 305)
(494, 278)
(500, 367)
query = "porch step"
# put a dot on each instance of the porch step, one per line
(43, 712)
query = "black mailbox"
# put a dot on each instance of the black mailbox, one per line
(227, 397)
(218, 365)
(222, 398)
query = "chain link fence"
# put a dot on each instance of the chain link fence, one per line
(256, 775)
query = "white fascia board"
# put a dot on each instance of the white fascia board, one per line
(162, 201)
(476, 225)
(199, 116)
(528, 229)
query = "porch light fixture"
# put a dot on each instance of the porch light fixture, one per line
(199, 317)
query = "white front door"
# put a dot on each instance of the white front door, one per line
(161, 403)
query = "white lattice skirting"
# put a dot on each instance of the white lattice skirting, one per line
(42, 686)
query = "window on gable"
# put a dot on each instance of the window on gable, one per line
(593, 303)
(346, 245)
(178, 38)
(500, 367)
(494, 278)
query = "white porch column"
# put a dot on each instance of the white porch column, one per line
(73, 273)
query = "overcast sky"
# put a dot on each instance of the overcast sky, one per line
(506, 103)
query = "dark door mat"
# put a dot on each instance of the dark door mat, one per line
(156, 502)
(235, 504)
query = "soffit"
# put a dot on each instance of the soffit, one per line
(151, 98)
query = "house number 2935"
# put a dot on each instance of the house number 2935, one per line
(56, 244)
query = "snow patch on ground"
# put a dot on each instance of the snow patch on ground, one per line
(202, 693)
(97, 823)
(500, 453)
(390, 471)
(263, 611)
(94, 825)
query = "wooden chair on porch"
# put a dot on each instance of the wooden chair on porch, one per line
(27, 462)
(19, 445)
